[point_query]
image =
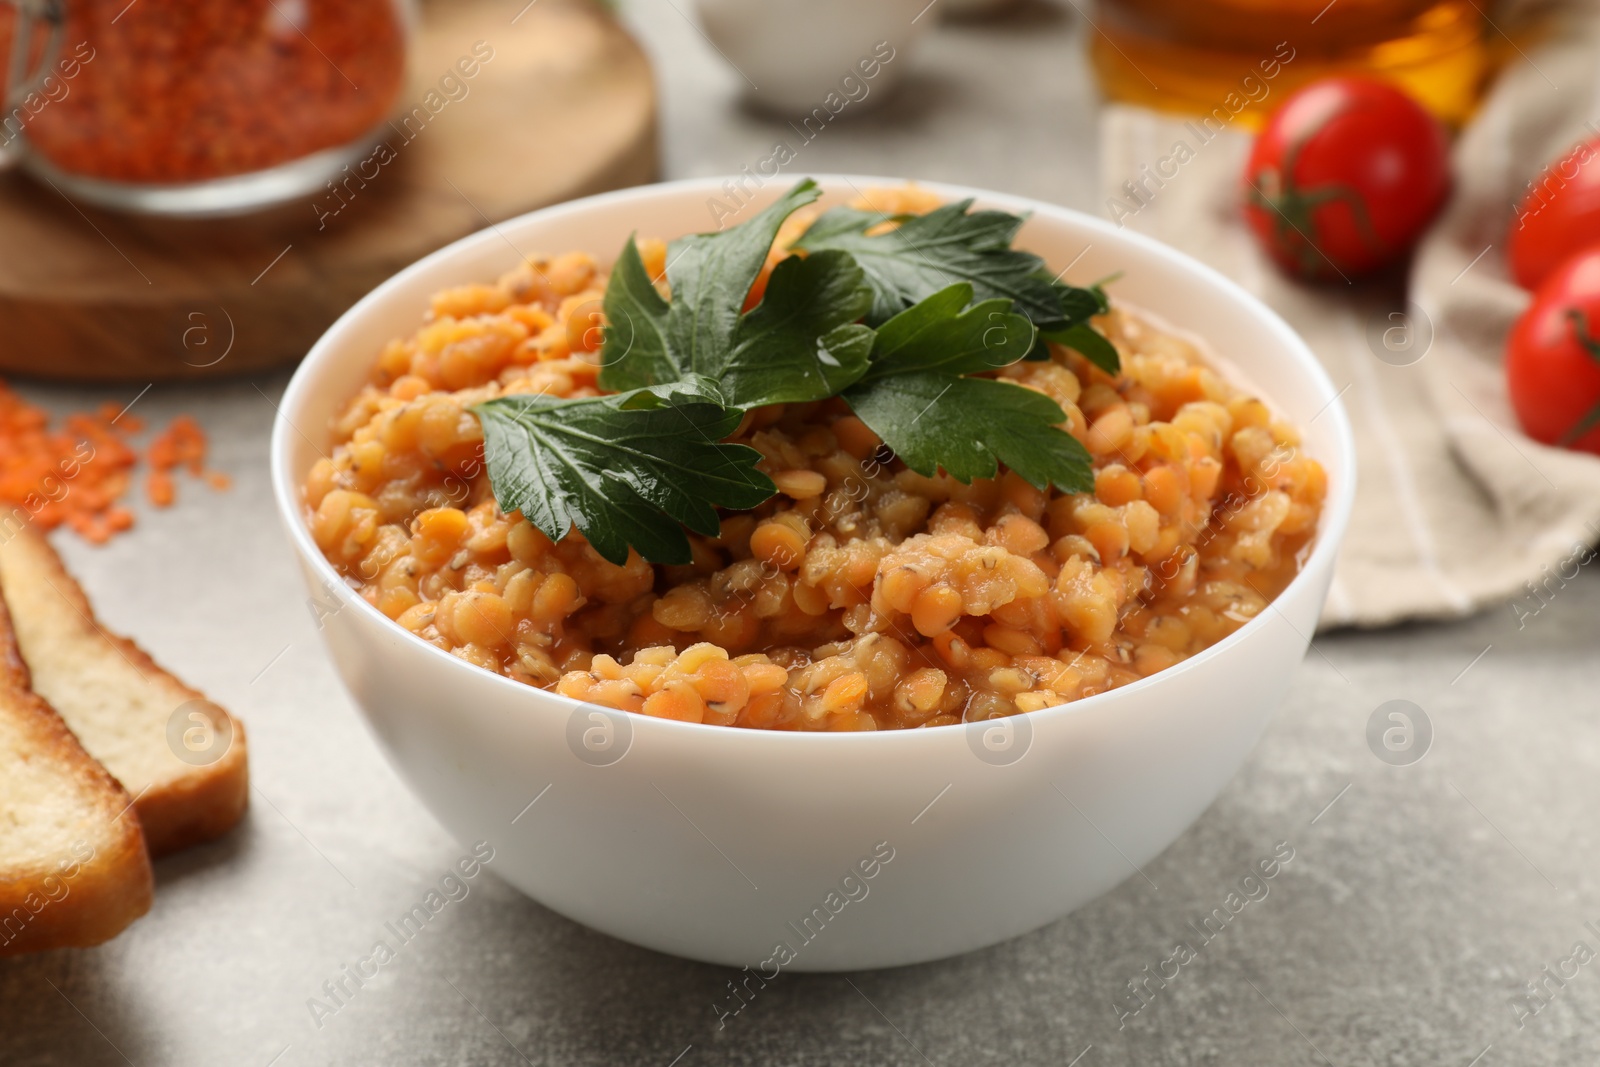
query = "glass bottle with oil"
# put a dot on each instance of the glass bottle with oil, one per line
(1189, 55)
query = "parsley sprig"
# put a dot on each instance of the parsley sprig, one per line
(802, 342)
(632, 468)
(906, 323)
(920, 395)
(926, 253)
(923, 254)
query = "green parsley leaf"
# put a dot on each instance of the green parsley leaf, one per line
(964, 425)
(927, 253)
(801, 342)
(918, 396)
(628, 469)
(1080, 303)
(1078, 306)
(634, 352)
(937, 334)
(655, 396)
(1089, 343)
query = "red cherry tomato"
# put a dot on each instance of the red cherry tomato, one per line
(1558, 216)
(1553, 357)
(1345, 177)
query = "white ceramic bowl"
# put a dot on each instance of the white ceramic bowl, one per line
(817, 59)
(718, 843)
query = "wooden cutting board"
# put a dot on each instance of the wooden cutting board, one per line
(566, 107)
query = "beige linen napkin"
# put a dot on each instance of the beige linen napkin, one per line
(1455, 509)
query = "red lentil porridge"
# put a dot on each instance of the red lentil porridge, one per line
(864, 596)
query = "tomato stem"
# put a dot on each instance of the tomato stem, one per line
(1293, 207)
(1590, 344)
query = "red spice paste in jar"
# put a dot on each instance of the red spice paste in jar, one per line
(187, 90)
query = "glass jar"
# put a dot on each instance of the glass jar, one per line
(1202, 53)
(198, 107)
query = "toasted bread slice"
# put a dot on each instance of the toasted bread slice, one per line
(73, 867)
(180, 756)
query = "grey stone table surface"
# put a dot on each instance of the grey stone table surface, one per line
(1420, 900)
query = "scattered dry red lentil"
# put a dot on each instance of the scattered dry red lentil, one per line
(78, 474)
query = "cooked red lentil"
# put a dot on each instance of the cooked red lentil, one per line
(864, 596)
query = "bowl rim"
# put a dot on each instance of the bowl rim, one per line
(1335, 518)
